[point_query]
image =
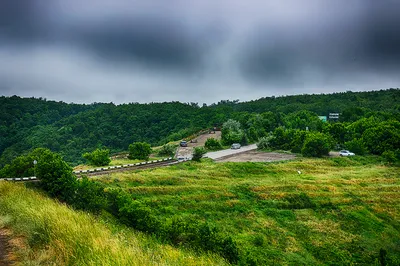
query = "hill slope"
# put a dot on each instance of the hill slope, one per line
(72, 129)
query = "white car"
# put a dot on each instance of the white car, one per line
(235, 146)
(346, 153)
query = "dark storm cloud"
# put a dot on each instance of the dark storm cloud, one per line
(200, 51)
(364, 40)
(155, 41)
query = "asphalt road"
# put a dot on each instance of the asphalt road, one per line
(218, 154)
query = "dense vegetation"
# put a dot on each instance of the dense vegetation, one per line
(49, 233)
(305, 212)
(58, 181)
(73, 129)
(338, 211)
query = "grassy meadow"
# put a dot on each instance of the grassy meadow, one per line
(54, 234)
(333, 211)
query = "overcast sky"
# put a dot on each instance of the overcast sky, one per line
(88, 51)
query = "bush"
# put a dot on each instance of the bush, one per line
(298, 139)
(280, 139)
(357, 146)
(56, 176)
(167, 150)
(383, 137)
(264, 143)
(232, 133)
(89, 196)
(99, 157)
(317, 144)
(198, 153)
(213, 144)
(139, 150)
(392, 156)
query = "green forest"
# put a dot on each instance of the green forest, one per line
(74, 129)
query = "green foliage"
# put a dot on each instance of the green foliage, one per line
(22, 166)
(302, 120)
(213, 144)
(357, 146)
(71, 129)
(382, 137)
(264, 143)
(89, 196)
(280, 139)
(139, 150)
(298, 138)
(167, 150)
(338, 131)
(198, 153)
(232, 133)
(317, 144)
(56, 176)
(392, 156)
(99, 157)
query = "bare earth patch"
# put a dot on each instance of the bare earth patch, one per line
(7, 244)
(256, 156)
(186, 152)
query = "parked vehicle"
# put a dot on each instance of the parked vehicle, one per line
(346, 153)
(235, 146)
(183, 143)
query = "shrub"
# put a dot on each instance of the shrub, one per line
(383, 137)
(232, 133)
(55, 176)
(138, 216)
(392, 156)
(280, 139)
(139, 150)
(357, 146)
(298, 139)
(167, 150)
(213, 144)
(99, 157)
(317, 144)
(264, 143)
(89, 196)
(198, 153)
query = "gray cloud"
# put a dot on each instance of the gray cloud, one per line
(201, 51)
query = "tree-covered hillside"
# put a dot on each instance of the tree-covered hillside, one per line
(72, 129)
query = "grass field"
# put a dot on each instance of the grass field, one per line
(337, 211)
(53, 234)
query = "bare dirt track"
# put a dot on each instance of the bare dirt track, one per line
(256, 156)
(6, 256)
(186, 152)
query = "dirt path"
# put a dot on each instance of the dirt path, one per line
(6, 257)
(187, 152)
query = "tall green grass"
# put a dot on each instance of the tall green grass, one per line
(338, 211)
(58, 235)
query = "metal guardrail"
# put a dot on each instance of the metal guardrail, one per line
(102, 169)
(20, 178)
(95, 170)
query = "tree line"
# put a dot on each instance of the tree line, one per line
(74, 129)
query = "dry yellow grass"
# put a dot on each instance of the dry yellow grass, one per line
(57, 235)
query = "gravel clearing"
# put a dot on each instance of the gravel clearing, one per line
(256, 156)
